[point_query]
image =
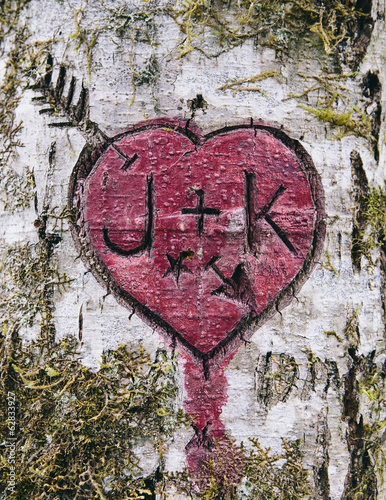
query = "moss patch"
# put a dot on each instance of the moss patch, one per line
(269, 22)
(371, 234)
(22, 60)
(76, 430)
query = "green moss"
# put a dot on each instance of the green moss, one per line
(279, 476)
(351, 122)
(328, 86)
(240, 85)
(28, 280)
(150, 74)
(236, 473)
(375, 215)
(366, 424)
(83, 37)
(16, 190)
(221, 475)
(10, 11)
(128, 23)
(351, 331)
(270, 22)
(328, 264)
(22, 59)
(76, 429)
(374, 222)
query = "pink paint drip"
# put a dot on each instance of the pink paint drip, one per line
(204, 402)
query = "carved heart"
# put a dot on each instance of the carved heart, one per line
(204, 237)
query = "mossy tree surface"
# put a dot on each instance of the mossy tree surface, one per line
(77, 429)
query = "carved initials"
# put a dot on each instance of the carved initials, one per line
(263, 213)
(146, 241)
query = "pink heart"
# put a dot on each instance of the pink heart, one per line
(205, 237)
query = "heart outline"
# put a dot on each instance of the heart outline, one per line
(244, 328)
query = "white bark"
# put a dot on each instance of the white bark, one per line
(325, 303)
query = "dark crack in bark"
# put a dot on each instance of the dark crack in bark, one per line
(320, 469)
(360, 190)
(353, 49)
(360, 479)
(372, 92)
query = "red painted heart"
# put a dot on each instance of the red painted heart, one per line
(204, 237)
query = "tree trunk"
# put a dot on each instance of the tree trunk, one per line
(244, 145)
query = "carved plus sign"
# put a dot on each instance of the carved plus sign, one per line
(200, 210)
